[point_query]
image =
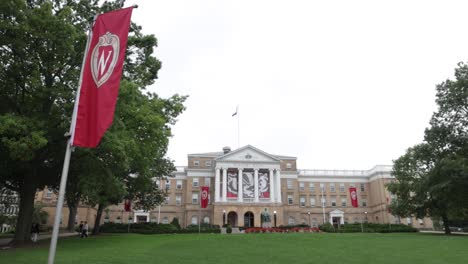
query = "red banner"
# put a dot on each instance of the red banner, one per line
(101, 74)
(353, 194)
(205, 193)
(128, 205)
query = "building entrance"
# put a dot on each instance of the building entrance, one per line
(249, 219)
(232, 218)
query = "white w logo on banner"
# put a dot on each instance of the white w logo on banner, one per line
(103, 62)
(101, 67)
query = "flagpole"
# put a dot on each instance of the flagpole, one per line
(238, 127)
(66, 162)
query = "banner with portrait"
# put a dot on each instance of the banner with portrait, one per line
(232, 184)
(263, 185)
(248, 184)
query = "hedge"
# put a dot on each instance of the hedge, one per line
(368, 228)
(154, 228)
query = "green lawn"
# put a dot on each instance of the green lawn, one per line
(250, 248)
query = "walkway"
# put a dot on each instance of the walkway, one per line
(6, 241)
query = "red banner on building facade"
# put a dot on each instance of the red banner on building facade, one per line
(205, 193)
(101, 73)
(128, 205)
(353, 194)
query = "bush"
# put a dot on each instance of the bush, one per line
(175, 222)
(154, 228)
(229, 229)
(368, 228)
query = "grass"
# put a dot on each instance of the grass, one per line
(250, 248)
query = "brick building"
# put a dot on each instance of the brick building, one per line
(269, 182)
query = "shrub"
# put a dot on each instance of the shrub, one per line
(229, 229)
(175, 222)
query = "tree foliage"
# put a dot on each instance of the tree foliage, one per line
(41, 51)
(432, 177)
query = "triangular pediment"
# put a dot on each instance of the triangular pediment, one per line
(248, 154)
(337, 212)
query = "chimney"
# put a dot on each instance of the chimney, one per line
(226, 150)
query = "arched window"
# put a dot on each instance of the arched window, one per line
(291, 220)
(165, 220)
(194, 220)
(206, 220)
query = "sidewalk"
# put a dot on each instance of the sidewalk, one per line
(442, 232)
(5, 241)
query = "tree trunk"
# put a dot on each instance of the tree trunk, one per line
(72, 210)
(446, 224)
(97, 222)
(24, 222)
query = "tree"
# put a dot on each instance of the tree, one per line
(41, 50)
(432, 177)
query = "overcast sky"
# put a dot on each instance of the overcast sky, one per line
(338, 84)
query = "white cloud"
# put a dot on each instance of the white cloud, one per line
(339, 84)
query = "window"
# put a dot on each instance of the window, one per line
(194, 220)
(333, 201)
(196, 163)
(322, 187)
(290, 199)
(195, 182)
(314, 222)
(324, 201)
(288, 165)
(343, 202)
(352, 185)
(421, 222)
(301, 186)
(312, 201)
(179, 185)
(332, 187)
(302, 200)
(311, 187)
(208, 163)
(362, 187)
(48, 194)
(206, 220)
(195, 198)
(290, 184)
(168, 185)
(291, 220)
(342, 189)
(178, 199)
(409, 221)
(363, 202)
(207, 181)
(166, 201)
(165, 220)
(118, 220)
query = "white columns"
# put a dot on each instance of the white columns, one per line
(240, 194)
(256, 185)
(278, 185)
(224, 185)
(272, 186)
(217, 185)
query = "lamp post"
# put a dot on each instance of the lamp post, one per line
(309, 219)
(274, 217)
(362, 227)
(224, 217)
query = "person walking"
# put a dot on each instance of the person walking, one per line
(34, 232)
(80, 228)
(84, 230)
